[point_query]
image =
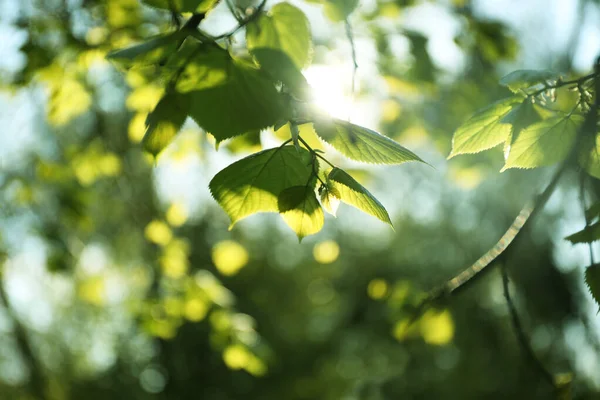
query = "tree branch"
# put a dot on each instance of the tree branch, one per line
(518, 328)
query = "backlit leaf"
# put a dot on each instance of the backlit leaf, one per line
(485, 129)
(301, 210)
(330, 198)
(362, 144)
(524, 78)
(354, 194)
(520, 117)
(164, 122)
(544, 143)
(284, 28)
(253, 184)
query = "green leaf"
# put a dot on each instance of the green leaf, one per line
(164, 122)
(525, 78)
(339, 10)
(485, 129)
(152, 51)
(588, 234)
(362, 144)
(544, 143)
(286, 29)
(589, 158)
(229, 97)
(253, 184)
(180, 6)
(301, 210)
(593, 211)
(520, 117)
(330, 198)
(281, 68)
(200, 67)
(354, 194)
(592, 279)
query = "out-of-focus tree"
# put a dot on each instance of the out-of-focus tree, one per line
(120, 278)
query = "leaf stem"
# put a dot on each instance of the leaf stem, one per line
(560, 83)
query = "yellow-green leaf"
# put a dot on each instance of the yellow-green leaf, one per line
(164, 122)
(284, 28)
(544, 143)
(301, 210)
(354, 194)
(362, 144)
(253, 184)
(485, 129)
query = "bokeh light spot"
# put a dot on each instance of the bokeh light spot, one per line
(326, 252)
(229, 257)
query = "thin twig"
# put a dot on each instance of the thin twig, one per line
(244, 22)
(518, 328)
(350, 36)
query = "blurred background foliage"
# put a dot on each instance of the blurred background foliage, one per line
(120, 278)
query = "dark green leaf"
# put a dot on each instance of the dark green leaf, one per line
(229, 97)
(587, 235)
(253, 184)
(152, 51)
(362, 144)
(592, 279)
(544, 143)
(164, 122)
(485, 129)
(301, 210)
(180, 6)
(353, 193)
(281, 68)
(524, 78)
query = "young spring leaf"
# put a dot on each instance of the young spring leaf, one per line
(587, 235)
(485, 129)
(361, 144)
(592, 279)
(253, 184)
(180, 6)
(544, 143)
(519, 118)
(152, 51)
(354, 194)
(301, 210)
(286, 29)
(525, 78)
(330, 198)
(164, 122)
